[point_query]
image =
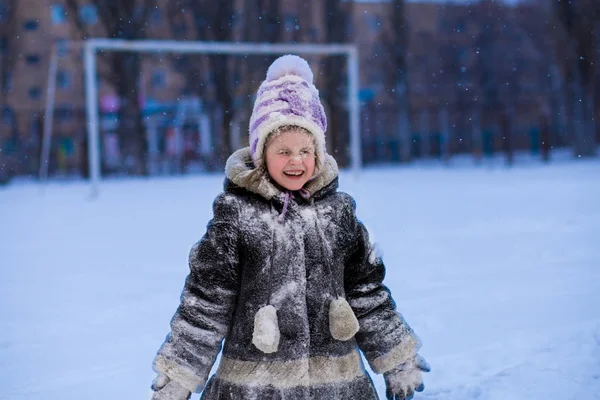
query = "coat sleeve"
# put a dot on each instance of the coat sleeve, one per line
(207, 302)
(384, 337)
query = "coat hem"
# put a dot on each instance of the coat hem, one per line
(312, 371)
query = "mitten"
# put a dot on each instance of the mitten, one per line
(164, 388)
(402, 382)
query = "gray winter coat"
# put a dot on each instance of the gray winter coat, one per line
(251, 257)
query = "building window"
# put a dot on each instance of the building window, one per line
(64, 113)
(35, 125)
(3, 44)
(463, 55)
(443, 25)
(290, 22)
(8, 115)
(63, 79)
(376, 79)
(236, 18)
(366, 94)
(158, 79)
(88, 14)
(373, 22)
(461, 25)
(32, 59)
(31, 24)
(35, 93)
(155, 15)
(7, 81)
(62, 47)
(58, 14)
(378, 50)
(3, 11)
(179, 29)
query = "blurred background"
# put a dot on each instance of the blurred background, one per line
(437, 79)
(477, 132)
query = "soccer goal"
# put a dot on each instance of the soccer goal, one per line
(92, 46)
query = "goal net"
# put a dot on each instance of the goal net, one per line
(188, 109)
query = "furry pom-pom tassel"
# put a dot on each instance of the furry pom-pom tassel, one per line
(266, 330)
(343, 324)
(290, 65)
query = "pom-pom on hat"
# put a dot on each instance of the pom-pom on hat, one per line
(287, 97)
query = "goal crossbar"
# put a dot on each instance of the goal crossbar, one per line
(92, 46)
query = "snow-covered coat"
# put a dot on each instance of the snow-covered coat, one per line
(250, 257)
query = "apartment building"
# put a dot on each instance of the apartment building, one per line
(443, 56)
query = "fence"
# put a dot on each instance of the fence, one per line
(435, 132)
(174, 146)
(440, 132)
(21, 138)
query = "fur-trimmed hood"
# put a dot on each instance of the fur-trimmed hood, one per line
(240, 170)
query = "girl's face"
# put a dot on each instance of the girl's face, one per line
(290, 159)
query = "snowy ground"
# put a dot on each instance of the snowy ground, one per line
(497, 270)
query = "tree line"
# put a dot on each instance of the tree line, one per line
(564, 33)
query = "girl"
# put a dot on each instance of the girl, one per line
(285, 273)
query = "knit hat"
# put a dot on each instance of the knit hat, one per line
(287, 97)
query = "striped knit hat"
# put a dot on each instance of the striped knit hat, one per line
(287, 97)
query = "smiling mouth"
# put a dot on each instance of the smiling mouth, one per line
(293, 174)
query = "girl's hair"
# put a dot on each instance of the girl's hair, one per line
(282, 129)
(261, 169)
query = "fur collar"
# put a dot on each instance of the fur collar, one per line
(240, 170)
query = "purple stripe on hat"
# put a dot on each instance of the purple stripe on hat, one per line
(285, 111)
(286, 95)
(267, 103)
(264, 88)
(261, 119)
(318, 114)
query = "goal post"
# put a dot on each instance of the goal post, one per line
(91, 46)
(49, 107)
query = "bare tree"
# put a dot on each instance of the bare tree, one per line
(535, 18)
(579, 22)
(488, 53)
(123, 20)
(233, 80)
(221, 30)
(8, 54)
(187, 23)
(395, 39)
(338, 19)
(494, 66)
(250, 71)
(8, 57)
(211, 21)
